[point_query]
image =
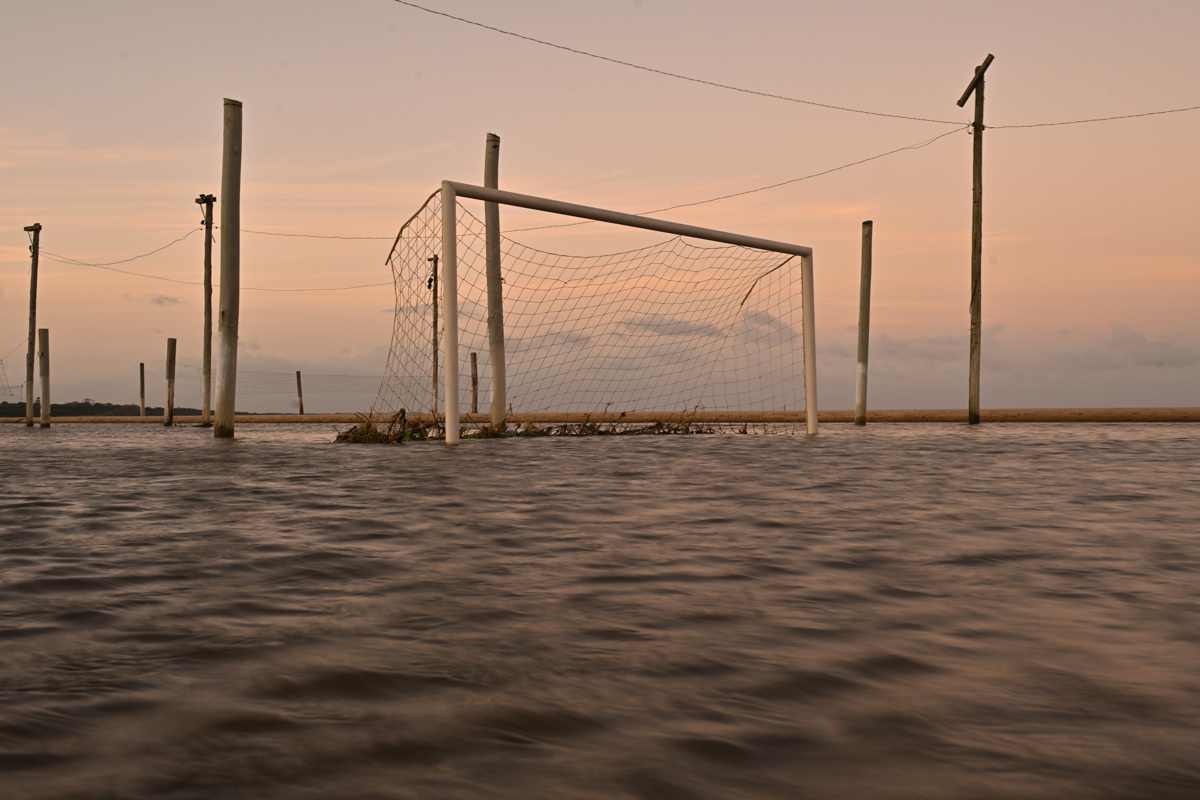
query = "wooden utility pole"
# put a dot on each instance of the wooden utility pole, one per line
(433, 286)
(142, 383)
(231, 281)
(44, 365)
(976, 86)
(36, 230)
(495, 284)
(299, 393)
(207, 201)
(169, 406)
(864, 325)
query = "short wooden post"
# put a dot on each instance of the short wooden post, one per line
(44, 368)
(474, 384)
(976, 86)
(169, 408)
(142, 384)
(495, 284)
(231, 226)
(207, 201)
(34, 248)
(300, 392)
(864, 326)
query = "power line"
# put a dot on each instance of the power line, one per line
(675, 75)
(1097, 119)
(316, 236)
(108, 266)
(916, 146)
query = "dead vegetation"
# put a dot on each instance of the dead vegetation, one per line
(399, 429)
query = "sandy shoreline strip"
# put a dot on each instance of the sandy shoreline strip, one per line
(909, 415)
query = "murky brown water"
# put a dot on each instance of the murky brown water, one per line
(903, 611)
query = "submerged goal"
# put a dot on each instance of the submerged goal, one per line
(719, 330)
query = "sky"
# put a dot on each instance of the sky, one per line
(354, 111)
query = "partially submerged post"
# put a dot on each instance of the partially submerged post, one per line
(976, 86)
(474, 384)
(299, 393)
(495, 283)
(450, 303)
(142, 385)
(44, 368)
(207, 201)
(34, 247)
(227, 323)
(864, 326)
(169, 408)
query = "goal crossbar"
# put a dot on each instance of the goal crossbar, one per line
(451, 190)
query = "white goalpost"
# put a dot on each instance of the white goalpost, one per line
(451, 191)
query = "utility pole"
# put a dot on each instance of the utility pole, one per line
(207, 201)
(976, 86)
(36, 230)
(495, 285)
(433, 285)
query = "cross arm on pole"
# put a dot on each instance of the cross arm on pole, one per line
(982, 68)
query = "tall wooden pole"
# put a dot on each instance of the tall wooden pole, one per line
(142, 384)
(433, 286)
(231, 225)
(169, 406)
(976, 86)
(44, 365)
(207, 201)
(864, 326)
(495, 284)
(300, 393)
(36, 230)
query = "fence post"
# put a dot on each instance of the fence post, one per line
(44, 368)
(142, 385)
(300, 392)
(169, 408)
(34, 248)
(474, 384)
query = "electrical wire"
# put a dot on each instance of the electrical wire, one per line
(916, 146)
(57, 257)
(675, 75)
(317, 236)
(1097, 119)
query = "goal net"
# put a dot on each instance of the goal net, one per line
(681, 329)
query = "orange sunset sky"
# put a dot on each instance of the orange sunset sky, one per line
(356, 110)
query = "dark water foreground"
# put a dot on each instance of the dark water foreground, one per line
(915, 611)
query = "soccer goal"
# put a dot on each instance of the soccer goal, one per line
(706, 326)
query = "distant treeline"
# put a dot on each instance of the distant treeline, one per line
(87, 408)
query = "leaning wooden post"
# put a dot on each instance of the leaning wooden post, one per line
(976, 86)
(142, 384)
(300, 392)
(450, 304)
(34, 248)
(864, 326)
(231, 222)
(207, 201)
(44, 368)
(474, 384)
(810, 344)
(495, 284)
(169, 407)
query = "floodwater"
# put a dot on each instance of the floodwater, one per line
(901, 611)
